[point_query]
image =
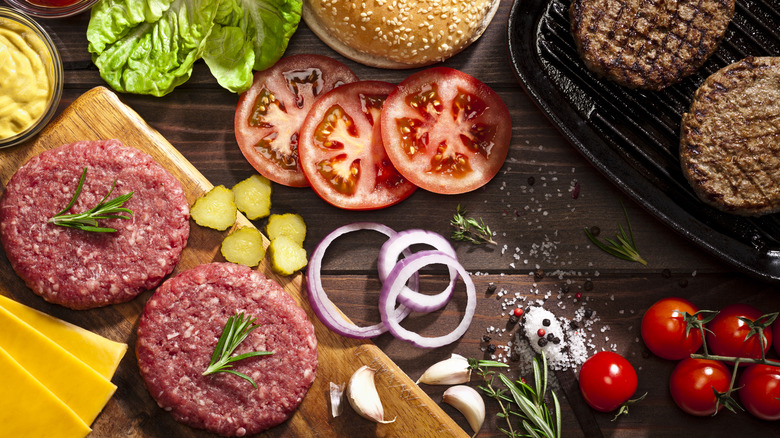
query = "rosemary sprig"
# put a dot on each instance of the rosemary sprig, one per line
(535, 418)
(624, 247)
(88, 221)
(236, 330)
(469, 229)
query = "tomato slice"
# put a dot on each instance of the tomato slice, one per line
(341, 151)
(446, 131)
(269, 115)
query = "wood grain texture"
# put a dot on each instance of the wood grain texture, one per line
(99, 114)
(541, 224)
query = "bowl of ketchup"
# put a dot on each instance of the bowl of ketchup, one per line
(51, 8)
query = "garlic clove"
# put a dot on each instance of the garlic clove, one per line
(336, 398)
(468, 401)
(450, 371)
(362, 395)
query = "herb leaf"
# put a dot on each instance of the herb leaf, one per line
(236, 330)
(535, 418)
(625, 246)
(469, 229)
(88, 221)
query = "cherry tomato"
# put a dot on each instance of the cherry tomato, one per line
(607, 380)
(269, 115)
(760, 391)
(663, 329)
(446, 131)
(341, 149)
(726, 334)
(692, 384)
(776, 335)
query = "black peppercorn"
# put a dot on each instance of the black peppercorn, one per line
(588, 313)
(588, 285)
(565, 288)
(550, 337)
(491, 288)
(557, 340)
(486, 338)
(683, 282)
(542, 342)
(546, 322)
(531, 180)
(514, 357)
(513, 319)
(574, 325)
(595, 230)
(538, 274)
(491, 348)
(666, 273)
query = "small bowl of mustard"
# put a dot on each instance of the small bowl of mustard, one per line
(31, 77)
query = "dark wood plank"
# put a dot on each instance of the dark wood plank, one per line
(538, 226)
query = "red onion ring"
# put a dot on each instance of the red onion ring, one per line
(388, 258)
(398, 277)
(324, 308)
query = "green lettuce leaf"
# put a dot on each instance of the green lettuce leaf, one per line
(150, 46)
(249, 35)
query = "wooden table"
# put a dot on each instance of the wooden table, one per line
(537, 226)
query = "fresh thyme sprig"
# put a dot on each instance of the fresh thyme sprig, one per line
(236, 330)
(535, 419)
(469, 229)
(88, 221)
(624, 248)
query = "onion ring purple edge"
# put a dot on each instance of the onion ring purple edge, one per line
(323, 307)
(388, 257)
(398, 276)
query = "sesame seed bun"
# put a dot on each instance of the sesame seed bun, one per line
(398, 33)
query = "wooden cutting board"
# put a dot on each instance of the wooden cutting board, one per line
(99, 114)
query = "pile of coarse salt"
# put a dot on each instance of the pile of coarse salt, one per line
(576, 334)
(572, 349)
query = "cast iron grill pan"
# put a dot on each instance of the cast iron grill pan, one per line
(632, 136)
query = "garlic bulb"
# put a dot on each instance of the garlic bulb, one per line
(450, 371)
(362, 395)
(468, 401)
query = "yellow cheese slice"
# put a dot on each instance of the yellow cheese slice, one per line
(28, 409)
(102, 354)
(80, 387)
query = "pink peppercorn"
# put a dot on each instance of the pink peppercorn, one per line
(540, 332)
(518, 312)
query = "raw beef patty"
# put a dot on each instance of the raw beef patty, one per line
(180, 327)
(81, 269)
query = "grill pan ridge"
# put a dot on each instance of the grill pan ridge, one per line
(632, 136)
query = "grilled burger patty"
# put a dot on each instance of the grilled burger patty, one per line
(648, 44)
(730, 138)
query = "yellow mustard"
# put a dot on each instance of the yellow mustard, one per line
(26, 82)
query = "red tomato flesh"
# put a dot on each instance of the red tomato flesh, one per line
(269, 115)
(664, 326)
(341, 151)
(446, 131)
